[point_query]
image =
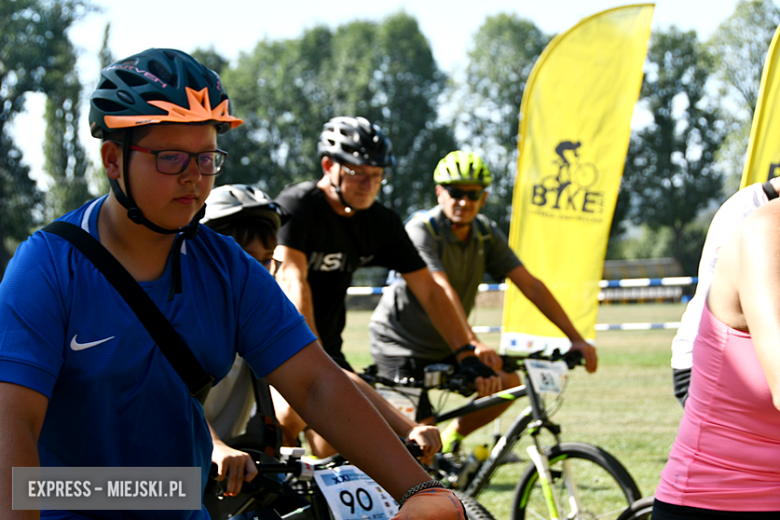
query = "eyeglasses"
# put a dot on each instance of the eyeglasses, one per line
(272, 265)
(362, 176)
(173, 162)
(457, 193)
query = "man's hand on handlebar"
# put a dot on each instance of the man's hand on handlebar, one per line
(236, 465)
(488, 356)
(588, 352)
(484, 378)
(428, 439)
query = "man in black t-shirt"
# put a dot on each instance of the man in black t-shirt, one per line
(335, 227)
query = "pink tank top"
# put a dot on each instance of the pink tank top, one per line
(727, 452)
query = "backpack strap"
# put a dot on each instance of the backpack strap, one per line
(485, 232)
(160, 329)
(427, 218)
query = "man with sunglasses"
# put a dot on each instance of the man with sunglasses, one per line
(336, 227)
(458, 245)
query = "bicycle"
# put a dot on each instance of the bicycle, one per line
(569, 480)
(642, 509)
(290, 490)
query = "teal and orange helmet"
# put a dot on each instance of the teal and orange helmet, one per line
(158, 86)
(462, 168)
(153, 87)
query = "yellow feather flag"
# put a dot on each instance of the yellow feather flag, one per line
(575, 126)
(763, 155)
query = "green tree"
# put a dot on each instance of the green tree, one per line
(671, 174)
(739, 45)
(97, 176)
(286, 90)
(501, 58)
(65, 160)
(32, 32)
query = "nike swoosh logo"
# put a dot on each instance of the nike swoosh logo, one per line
(75, 345)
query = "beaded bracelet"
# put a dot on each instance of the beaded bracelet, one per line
(419, 487)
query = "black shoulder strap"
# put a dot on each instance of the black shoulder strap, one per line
(160, 329)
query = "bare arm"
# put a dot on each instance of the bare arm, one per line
(328, 401)
(538, 293)
(745, 291)
(22, 411)
(292, 278)
(486, 354)
(236, 465)
(428, 437)
(447, 315)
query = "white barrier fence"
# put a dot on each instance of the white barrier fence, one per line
(643, 286)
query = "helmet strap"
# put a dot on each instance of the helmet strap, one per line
(337, 189)
(134, 213)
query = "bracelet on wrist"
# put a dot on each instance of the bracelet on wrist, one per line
(465, 348)
(419, 487)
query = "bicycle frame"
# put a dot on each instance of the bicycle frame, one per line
(532, 420)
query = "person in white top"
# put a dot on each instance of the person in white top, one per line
(726, 220)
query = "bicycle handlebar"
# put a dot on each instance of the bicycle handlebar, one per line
(440, 376)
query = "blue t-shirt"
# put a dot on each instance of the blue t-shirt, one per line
(114, 399)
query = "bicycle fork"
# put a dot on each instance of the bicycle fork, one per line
(542, 464)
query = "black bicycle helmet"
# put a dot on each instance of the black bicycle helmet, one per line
(232, 202)
(354, 140)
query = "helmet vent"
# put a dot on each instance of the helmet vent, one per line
(192, 81)
(106, 84)
(156, 68)
(108, 106)
(153, 96)
(131, 79)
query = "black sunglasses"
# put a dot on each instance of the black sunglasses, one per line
(457, 193)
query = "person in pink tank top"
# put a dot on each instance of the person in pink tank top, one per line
(725, 461)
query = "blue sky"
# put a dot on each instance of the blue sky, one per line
(232, 26)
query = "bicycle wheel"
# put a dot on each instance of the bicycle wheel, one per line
(604, 486)
(474, 509)
(642, 509)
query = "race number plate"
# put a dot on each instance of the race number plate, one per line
(548, 377)
(405, 400)
(353, 495)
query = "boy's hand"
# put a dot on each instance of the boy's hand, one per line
(432, 504)
(236, 465)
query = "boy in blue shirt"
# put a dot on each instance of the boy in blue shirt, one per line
(81, 381)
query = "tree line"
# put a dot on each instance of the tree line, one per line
(687, 158)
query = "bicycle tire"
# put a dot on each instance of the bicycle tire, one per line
(605, 487)
(642, 509)
(474, 510)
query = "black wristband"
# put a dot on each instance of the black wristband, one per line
(465, 348)
(770, 191)
(419, 487)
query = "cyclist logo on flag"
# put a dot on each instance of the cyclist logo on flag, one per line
(572, 187)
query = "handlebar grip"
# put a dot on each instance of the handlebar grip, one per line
(573, 358)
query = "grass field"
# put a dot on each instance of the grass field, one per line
(626, 407)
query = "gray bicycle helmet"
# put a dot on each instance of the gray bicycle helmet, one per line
(232, 202)
(354, 140)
